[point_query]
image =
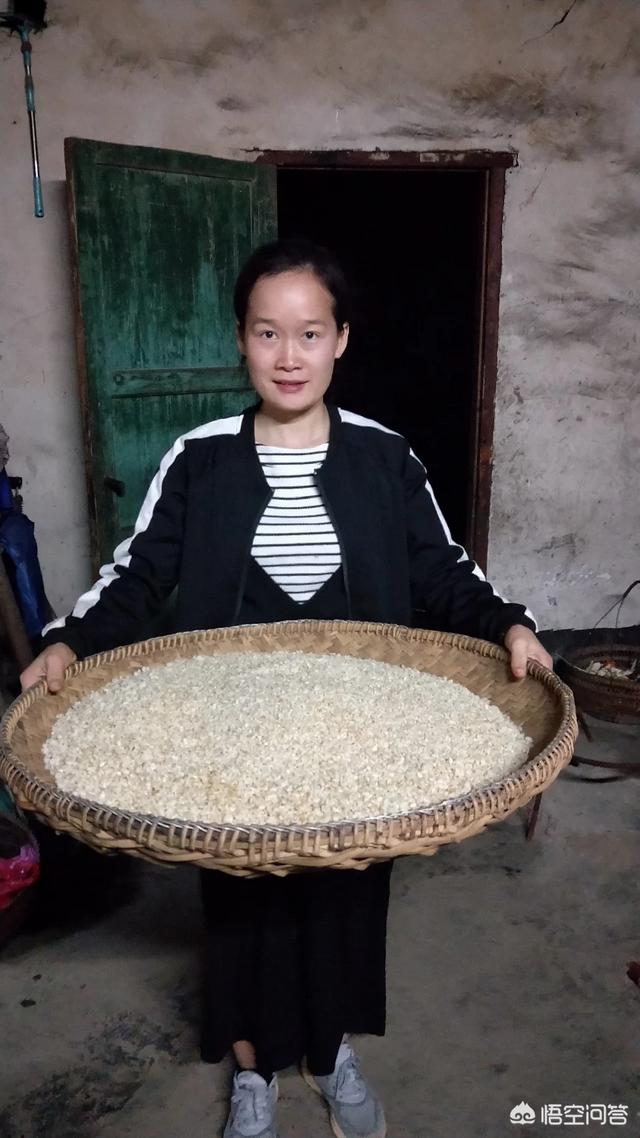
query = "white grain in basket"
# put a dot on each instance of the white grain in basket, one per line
(281, 737)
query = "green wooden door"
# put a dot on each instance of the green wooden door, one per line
(157, 239)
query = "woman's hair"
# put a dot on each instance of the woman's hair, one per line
(288, 255)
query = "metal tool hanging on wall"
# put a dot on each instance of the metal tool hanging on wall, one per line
(25, 17)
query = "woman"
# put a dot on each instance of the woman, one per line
(293, 509)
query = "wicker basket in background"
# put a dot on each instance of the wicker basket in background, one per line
(606, 697)
(602, 695)
(540, 704)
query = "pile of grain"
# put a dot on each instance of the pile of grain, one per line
(282, 737)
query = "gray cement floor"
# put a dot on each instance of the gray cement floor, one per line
(506, 972)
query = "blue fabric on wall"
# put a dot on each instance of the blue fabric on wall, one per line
(6, 501)
(18, 544)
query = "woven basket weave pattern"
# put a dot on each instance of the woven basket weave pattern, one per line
(540, 704)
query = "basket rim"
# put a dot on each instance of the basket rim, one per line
(63, 804)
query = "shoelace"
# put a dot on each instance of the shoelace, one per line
(254, 1104)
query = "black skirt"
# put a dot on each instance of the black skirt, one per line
(292, 963)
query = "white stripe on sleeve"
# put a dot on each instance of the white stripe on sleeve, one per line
(121, 556)
(360, 421)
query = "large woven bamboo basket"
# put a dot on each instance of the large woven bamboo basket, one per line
(540, 704)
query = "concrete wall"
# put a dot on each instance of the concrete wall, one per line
(557, 82)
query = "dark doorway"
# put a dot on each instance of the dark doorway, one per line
(412, 244)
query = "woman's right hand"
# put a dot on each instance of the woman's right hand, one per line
(49, 666)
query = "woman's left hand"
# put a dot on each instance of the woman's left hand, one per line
(523, 644)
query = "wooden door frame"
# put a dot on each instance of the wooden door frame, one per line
(492, 165)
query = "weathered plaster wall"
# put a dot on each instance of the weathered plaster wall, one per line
(229, 77)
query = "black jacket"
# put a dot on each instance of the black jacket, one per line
(196, 526)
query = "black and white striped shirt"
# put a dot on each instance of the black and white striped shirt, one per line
(295, 542)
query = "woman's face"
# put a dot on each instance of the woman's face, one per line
(290, 340)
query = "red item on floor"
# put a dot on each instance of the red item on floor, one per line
(18, 873)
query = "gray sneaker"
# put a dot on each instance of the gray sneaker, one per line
(355, 1111)
(253, 1107)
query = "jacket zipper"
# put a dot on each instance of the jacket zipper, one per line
(331, 516)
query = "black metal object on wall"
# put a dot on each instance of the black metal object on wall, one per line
(25, 17)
